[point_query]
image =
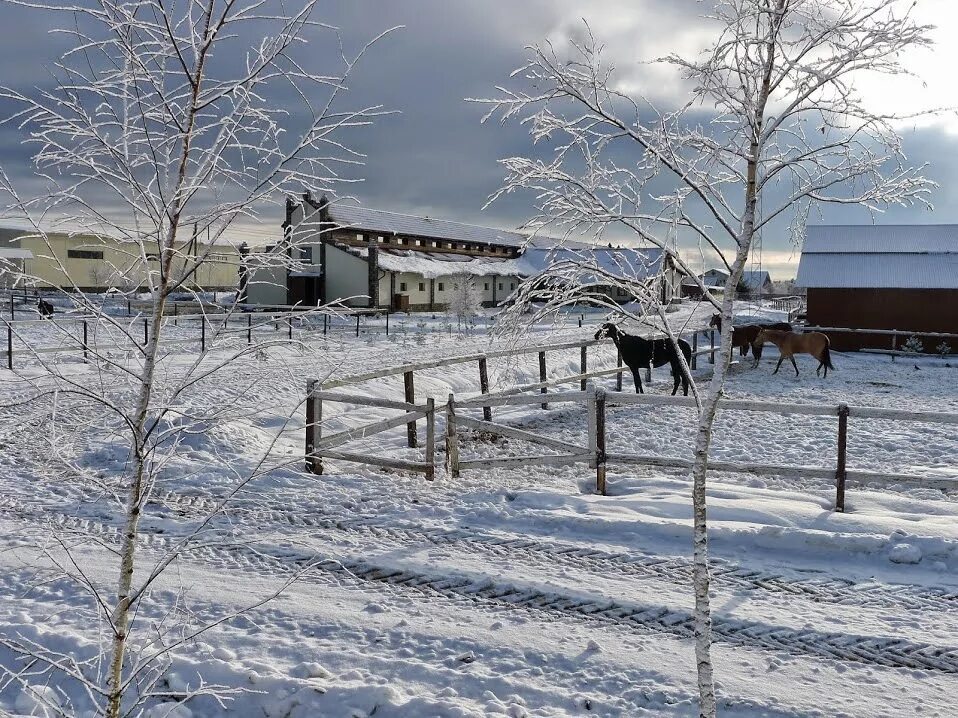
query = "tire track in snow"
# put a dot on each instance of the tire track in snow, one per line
(824, 589)
(273, 561)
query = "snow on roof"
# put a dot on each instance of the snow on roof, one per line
(880, 257)
(881, 238)
(377, 220)
(432, 265)
(755, 278)
(627, 263)
(14, 253)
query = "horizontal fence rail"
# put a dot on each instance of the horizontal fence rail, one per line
(598, 399)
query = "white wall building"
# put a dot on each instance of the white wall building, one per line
(361, 257)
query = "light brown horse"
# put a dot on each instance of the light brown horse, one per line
(790, 343)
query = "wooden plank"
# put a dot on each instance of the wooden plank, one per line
(412, 439)
(361, 432)
(367, 401)
(841, 475)
(561, 380)
(484, 387)
(417, 466)
(889, 332)
(731, 467)
(452, 438)
(430, 437)
(543, 378)
(600, 455)
(592, 422)
(931, 417)
(882, 478)
(520, 461)
(519, 399)
(514, 433)
(733, 404)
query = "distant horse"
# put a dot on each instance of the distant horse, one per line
(746, 335)
(45, 308)
(790, 343)
(638, 353)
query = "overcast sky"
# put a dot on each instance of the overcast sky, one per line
(435, 158)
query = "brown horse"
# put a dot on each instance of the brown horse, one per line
(790, 343)
(746, 336)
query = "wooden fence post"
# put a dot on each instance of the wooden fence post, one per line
(325, 323)
(290, 322)
(357, 324)
(894, 342)
(411, 438)
(176, 308)
(712, 343)
(484, 387)
(146, 331)
(542, 377)
(314, 417)
(840, 474)
(618, 376)
(591, 413)
(387, 322)
(583, 366)
(452, 438)
(10, 346)
(202, 334)
(695, 349)
(600, 456)
(249, 328)
(85, 344)
(430, 438)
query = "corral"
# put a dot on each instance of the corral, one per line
(524, 578)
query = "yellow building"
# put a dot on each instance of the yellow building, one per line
(95, 263)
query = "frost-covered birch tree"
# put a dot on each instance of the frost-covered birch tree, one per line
(773, 122)
(168, 120)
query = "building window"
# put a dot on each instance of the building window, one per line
(402, 286)
(441, 286)
(84, 254)
(500, 286)
(486, 286)
(422, 287)
(512, 285)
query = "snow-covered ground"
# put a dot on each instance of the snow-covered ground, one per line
(509, 592)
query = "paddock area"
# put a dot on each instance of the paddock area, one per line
(554, 599)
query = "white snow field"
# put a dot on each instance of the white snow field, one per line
(506, 592)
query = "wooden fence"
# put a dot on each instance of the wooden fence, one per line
(317, 391)
(319, 446)
(596, 454)
(895, 334)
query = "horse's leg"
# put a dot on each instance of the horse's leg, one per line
(792, 357)
(676, 378)
(780, 359)
(637, 378)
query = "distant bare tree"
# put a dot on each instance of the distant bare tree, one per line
(773, 119)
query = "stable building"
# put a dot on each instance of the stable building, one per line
(96, 262)
(901, 277)
(363, 257)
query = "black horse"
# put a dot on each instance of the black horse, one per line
(638, 353)
(45, 308)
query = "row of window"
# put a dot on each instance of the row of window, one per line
(442, 286)
(440, 244)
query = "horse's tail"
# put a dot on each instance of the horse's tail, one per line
(827, 354)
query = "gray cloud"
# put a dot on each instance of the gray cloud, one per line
(435, 157)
